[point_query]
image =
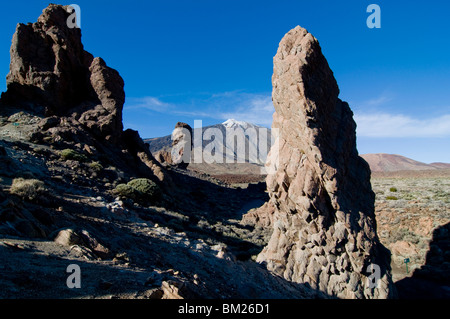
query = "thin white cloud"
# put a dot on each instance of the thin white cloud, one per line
(399, 125)
(148, 103)
(378, 101)
(249, 107)
(227, 94)
(257, 110)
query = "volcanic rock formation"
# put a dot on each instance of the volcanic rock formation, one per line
(324, 223)
(178, 154)
(50, 68)
(79, 98)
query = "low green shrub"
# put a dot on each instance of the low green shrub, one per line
(393, 189)
(69, 154)
(123, 190)
(145, 186)
(96, 166)
(141, 190)
(391, 198)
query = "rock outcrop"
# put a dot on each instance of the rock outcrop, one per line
(324, 223)
(179, 152)
(51, 72)
(181, 145)
(78, 97)
(262, 216)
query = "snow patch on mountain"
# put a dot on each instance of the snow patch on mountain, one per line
(232, 123)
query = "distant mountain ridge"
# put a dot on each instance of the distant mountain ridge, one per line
(378, 162)
(254, 150)
(393, 163)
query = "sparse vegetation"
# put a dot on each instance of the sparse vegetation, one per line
(96, 166)
(144, 186)
(69, 154)
(391, 198)
(408, 196)
(123, 190)
(28, 189)
(442, 195)
(412, 238)
(393, 189)
(141, 190)
(406, 225)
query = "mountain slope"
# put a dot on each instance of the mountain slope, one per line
(394, 163)
(246, 155)
(254, 160)
(441, 165)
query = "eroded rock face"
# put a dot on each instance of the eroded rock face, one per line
(179, 153)
(262, 216)
(79, 98)
(181, 145)
(324, 223)
(51, 72)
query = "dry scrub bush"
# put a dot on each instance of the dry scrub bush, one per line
(29, 189)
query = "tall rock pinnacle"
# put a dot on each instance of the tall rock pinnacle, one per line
(324, 222)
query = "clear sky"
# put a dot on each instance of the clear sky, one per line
(212, 60)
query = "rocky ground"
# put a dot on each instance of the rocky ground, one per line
(76, 189)
(192, 248)
(163, 251)
(410, 207)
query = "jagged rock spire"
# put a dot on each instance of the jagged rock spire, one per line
(324, 224)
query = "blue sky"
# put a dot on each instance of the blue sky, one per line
(212, 60)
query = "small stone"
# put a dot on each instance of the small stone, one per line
(68, 237)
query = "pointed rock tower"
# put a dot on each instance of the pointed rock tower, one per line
(324, 223)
